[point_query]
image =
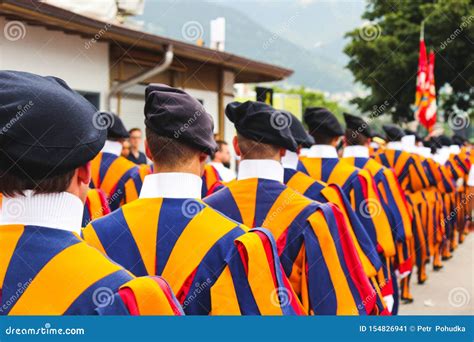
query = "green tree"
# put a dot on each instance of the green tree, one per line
(384, 52)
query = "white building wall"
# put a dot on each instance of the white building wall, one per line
(84, 65)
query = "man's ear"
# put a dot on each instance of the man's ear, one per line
(202, 157)
(235, 143)
(282, 152)
(84, 173)
(147, 150)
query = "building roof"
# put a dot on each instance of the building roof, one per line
(34, 12)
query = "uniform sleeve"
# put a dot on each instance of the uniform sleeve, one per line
(143, 296)
(261, 286)
(371, 212)
(336, 282)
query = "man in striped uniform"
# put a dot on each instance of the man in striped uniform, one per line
(332, 193)
(356, 152)
(116, 176)
(412, 178)
(45, 267)
(215, 265)
(322, 163)
(315, 249)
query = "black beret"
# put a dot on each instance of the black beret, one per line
(393, 132)
(410, 132)
(445, 140)
(263, 123)
(173, 113)
(116, 129)
(46, 129)
(299, 133)
(458, 139)
(358, 124)
(322, 121)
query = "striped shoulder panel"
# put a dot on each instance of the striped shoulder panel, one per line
(30, 256)
(64, 277)
(115, 170)
(128, 235)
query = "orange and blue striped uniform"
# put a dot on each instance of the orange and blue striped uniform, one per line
(214, 265)
(412, 178)
(359, 187)
(332, 193)
(394, 204)
(316, 253)
(117, 177)
(45, 271)
(95, 207)
(211, 181)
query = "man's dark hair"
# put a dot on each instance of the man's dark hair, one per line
(354, 137)
(11, 185)
(134, 129)
(252, 149)
(322, 139)
(168, 151)
(221, 143)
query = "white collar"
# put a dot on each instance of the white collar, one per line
(290, 160)
(373, 144)
(113, 147)
(261, 168)
(454, 149)
(59, 210)
(171, 185)
(322, 151)
(226, 174)
(394, 145)
(356, 151)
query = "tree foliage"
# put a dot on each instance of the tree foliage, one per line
(384, 53)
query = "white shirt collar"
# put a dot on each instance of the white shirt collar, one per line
(261, 168)
(356, 151)
(113, 147)
(454, 149)
(394, 145)
(59, 210)
(322, 151)
(290, 160)
(226, 174)
(304, 152)
(171, 185)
